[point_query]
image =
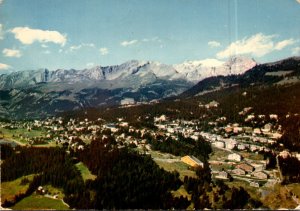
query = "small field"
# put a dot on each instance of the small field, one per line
(14, 135)
(278, 198)
(38, 202)
(254, 192)
(12, 188)
(85, 172)
(172, 163)
(295, 188)
(218, 154)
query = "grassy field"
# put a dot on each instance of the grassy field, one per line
(38, 202)
(85, 172)
(295, 188)
(254, 192)
(252, 156)
(218, 154)
(13, 135)
(279, 198)
(180, 167)
(12, 188)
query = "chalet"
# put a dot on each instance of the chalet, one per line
(235, 157)
(253, 148)
(192, 161)
(112, 127)
(254, 184)
(276, 135)
(249, 118)
(223, 175)
(230, 145)
(273, 116)
(212, 104)
(284, 154)
(219, 144)
(257, 131)
(162, 118)
(259, 167)
(241, 147)
(246, 167)
(228, 129)
(237, 129)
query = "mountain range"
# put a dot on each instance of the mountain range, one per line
(40, 93)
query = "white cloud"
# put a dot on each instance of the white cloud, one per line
(104, 51)
(153, 39)
(296, 51)
(127, 43)
(11, 53)
(298, 1)
(214, 44)
(257, 45)
(77, 47)
(44, 46)
(1, 31)
(1, 1)
(28, 36)
(4, 66)
(282, 44)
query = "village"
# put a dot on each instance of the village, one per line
(237, 149)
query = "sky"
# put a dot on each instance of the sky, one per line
(81, 34)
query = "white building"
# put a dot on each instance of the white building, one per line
(127, 101)
(235, 157)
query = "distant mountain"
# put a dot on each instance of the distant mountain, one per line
(282, 72)
(198, 70)
(43, 92)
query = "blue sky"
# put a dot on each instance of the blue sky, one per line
(84, 33)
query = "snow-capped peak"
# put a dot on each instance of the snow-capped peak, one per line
(200, 69)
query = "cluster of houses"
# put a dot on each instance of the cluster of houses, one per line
(232, 137)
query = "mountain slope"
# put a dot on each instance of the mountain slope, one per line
(277, 73)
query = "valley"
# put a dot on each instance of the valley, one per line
(225, 141)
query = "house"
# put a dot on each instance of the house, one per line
(162, 118)
(260, 175)
(241, 147)
(228, 129)
(219, 144)
(235, 157)
(212, 104)
(246, 167)
(127, 101)
(254, 184)
(223, 175)
(259, 167)
(237, 129)
(192, 161)
(257, 131)
(238, 171)
(284, 154)
(230, 144)
(273, 116)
